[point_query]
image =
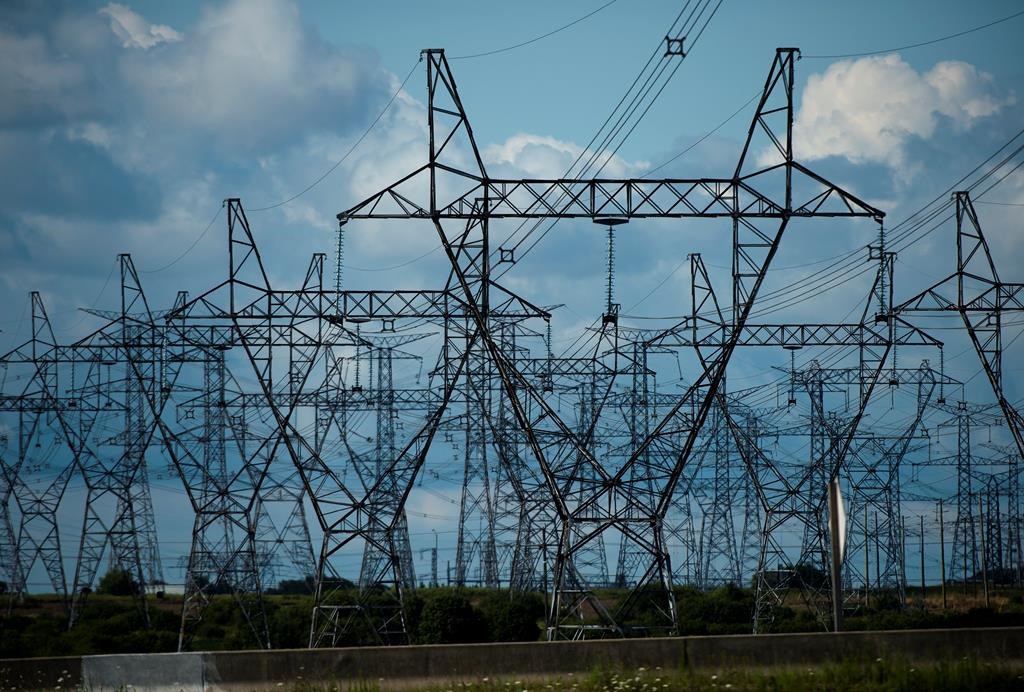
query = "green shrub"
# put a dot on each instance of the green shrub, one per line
(448, 617)
(117, 582)
(512, 617)
(289, 624)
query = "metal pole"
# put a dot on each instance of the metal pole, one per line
(544, 558)
(984, 555)
(867, 555)
(878, 556)
(922, 564)
(973, 557)
(942, 556)
(1012, 556)
(1016, 532)
(835, 534)
(901, 568)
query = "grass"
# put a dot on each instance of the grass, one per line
(885, 675)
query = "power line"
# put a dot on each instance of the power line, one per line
(650, 84)
(650, 103)
(661, 283)
(600, 150)
(395, 266)
(190, 247)
(916, 45)
(95, 300)
(536, 38)
(1002, 204)
(350, 150)
(844, 269)
(707, 134)
(832, 277)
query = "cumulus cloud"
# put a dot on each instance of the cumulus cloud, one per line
(35, 86)
(252, 74)
(867, 110)
(538, 156)
(136, 32)
(92, 132)
(124, 135)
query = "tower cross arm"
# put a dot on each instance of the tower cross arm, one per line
(1001, 296)
(633, 198)
(795, 335)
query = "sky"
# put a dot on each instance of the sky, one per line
(123, 126)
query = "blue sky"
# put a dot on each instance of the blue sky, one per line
(133, 142)
(123, 126)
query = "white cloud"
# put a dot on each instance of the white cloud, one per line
(546, 157)
(867, 110)
(254, 76)
(395, 148)
(136, 32)
(34, 85)
(92, 132)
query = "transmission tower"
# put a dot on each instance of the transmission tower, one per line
(383, 349)
(875, 470)
(981, 298)
(118, 506)
(965, 559)
(611, 502)
(34, 409)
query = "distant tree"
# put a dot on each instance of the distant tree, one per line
(117, 582)
(294, 587)
(219, 588)
(813, 576)
(448, 617)
(289, 626)
(512, 618)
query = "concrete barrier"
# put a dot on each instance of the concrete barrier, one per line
(409, 666)
(184, 672)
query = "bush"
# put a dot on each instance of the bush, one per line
(294, 587)
(447, 617)
(512, 617)
(118, 582)
(289, 624)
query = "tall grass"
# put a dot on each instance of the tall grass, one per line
(885, 675)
